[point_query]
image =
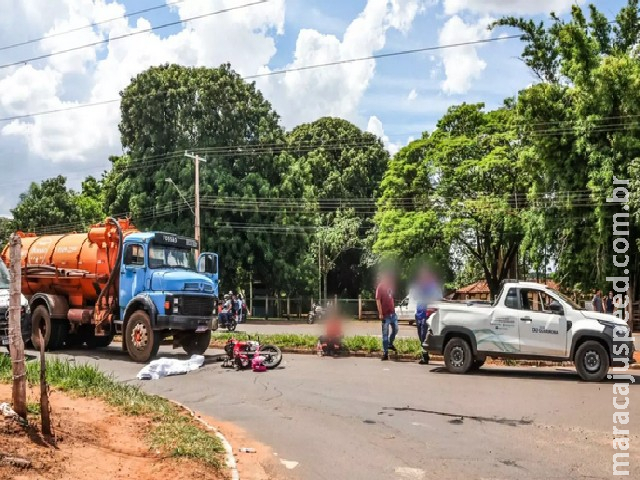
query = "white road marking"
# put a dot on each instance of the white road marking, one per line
(408, 473)
(289, 465)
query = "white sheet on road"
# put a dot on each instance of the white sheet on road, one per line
(164, 367)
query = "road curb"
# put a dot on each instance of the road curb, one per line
(231, 460)
(414, 358)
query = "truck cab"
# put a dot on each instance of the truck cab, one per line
(164, 290)
(529, 321)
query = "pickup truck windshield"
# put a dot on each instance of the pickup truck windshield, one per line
(162, 256)
(4, 276)
(566, 299)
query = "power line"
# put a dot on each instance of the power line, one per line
(276, 72)
(131, 34)
(91, 25)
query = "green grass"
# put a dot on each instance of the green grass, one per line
(357, 343)
(173, 432)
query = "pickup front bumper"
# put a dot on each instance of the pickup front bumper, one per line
(185, 322)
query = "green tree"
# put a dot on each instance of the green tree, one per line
(582, 124)
(48, 204)
(340, 235)
(211, 111)
(90, 201)
(340, 167)
(455, 194)
(6, 229)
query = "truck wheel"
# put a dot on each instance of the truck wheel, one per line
(54, 332)
(142, 341)
(592, 361)
(196, 343)
(457, 355)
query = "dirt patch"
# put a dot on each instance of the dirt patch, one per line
(93, 441)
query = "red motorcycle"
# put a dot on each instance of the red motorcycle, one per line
(242, 354)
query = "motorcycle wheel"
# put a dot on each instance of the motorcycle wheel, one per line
(231, 325)
(272, 356)
(310, 319)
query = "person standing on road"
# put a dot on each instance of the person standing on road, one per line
(387, 312)
(426, 290)
(596, 302)
(609, 304)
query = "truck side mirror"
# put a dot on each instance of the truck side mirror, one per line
(208, 264)
(556, 308)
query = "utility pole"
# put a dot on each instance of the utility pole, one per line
(197, 159)
(16, 345)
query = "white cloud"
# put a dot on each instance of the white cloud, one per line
(337, 90)
(78, 142)
(375, 126)
(517, 7)
(412, 95)
(462, 65)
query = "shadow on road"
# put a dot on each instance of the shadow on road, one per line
(561, 374)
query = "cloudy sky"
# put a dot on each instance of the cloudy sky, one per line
(396, 97)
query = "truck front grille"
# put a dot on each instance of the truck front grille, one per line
(197, 306)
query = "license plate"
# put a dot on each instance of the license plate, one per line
(4, 340)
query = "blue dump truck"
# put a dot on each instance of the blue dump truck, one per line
(115, 280)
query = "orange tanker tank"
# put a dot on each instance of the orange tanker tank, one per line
(75, 272)
(76, 265)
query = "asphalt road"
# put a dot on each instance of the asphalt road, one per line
(358, 418)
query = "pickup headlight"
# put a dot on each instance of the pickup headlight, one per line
(613, 326)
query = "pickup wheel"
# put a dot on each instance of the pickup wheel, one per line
(142, 341)
(592, 361)
(458, 357)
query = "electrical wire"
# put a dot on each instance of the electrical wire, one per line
(130, 34)
(91, 25)
(276, 72)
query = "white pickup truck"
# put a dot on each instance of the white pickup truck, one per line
(529, 321)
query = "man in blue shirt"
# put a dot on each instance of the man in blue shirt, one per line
(426, 291)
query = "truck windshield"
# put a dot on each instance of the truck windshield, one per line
(4, 276)
(567, 300)
(163, 256)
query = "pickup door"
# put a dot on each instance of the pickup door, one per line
(541, 331)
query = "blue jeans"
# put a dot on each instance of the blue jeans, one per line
(389, 321)
(423, 327)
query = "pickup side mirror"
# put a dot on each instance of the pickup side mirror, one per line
(556, 308)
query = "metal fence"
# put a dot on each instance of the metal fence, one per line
(266, 307)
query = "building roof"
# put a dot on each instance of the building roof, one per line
(481, 286)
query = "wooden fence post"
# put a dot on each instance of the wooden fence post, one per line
(16, 345)
(288, 308)
(359, 307)
(45, 408)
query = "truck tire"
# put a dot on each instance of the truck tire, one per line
(54, 332)
(458, 357)
(592, 361)
(196, 343)
(141, 340)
